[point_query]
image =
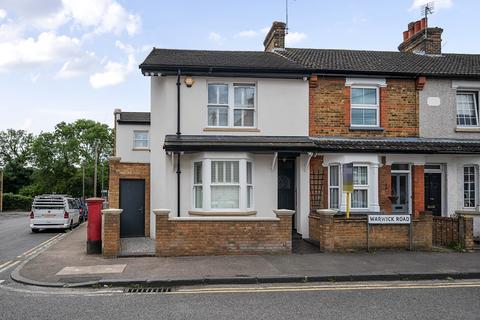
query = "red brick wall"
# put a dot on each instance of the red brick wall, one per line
(418, 189)
(329, 101)
(385, 188)
(336, 233)
(213, 237)
(449, 231)
(110, 235)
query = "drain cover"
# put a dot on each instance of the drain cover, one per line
(148, 290)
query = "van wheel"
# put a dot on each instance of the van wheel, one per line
(35, 230)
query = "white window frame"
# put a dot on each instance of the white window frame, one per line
(475, 95)
(338, 186)
(362, 187)
(375, 107)
(197, 185)
(231, 104)
(219, 105)
(207, 185)
(475, 186)
(135, 132)
(249, 189)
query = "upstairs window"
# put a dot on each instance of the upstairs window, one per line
(467, 109)
(231, 105)
(140, 139)
(364, 107)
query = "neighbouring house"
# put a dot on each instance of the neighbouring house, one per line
(243, 149)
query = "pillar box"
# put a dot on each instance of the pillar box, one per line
(94, 227)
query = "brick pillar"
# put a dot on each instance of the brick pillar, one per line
(327, 229)
(285, 232)
(465, 231)
(163, 229)
(114, 182)
(346, 94)
(111, 232)
(384, 108)
(418, 189)
(385, 188)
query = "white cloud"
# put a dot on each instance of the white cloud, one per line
(115, 72)
(47, 48)
(3, 14)
(265, 30)
(103, 15)
(247, 34)
(439, 4)
(294, 38)
(78, 66)
(215, 38)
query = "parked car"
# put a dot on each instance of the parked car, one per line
(50, 211)
(83, 210)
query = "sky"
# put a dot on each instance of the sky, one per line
(62, 60)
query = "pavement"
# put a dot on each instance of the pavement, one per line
(66, 264)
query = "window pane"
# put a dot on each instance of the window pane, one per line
(243, 118)
(249, 173)
(364, 117)
(360, 175)
(141, 144)
(225, 197)
(359, 199)
(218, 94)
(249, 196)
(217, 116)
(236, 171)
(469, 185)
(467, 109)
(197, 172)
(334, 176)
(356, 96)
(334, 198)
(198, 197)
(244, 96)
(370, 96)
(364, 96)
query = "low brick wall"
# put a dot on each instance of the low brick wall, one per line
(337, 233)
(111, 232)
(195, 236)
(450, 231)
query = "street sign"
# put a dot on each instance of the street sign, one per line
(347, 170)
(389, 219)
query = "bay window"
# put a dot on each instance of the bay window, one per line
(364, 107)
(360, 187)
(221, 185)
(467, 109)
(469, 187)
(231, 105)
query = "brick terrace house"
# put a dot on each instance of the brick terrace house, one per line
(240, 148)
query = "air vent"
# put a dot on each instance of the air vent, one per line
(148, 290)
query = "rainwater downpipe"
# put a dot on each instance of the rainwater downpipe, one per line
(178, 136)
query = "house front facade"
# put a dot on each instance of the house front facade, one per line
(254, 143)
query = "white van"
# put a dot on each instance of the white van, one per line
(52, 211)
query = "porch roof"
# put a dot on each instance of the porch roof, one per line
(193, 143)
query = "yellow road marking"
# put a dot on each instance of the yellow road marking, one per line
(327, 288)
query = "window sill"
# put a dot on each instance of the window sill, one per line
(221, 213)
(230, 129)
(141, 149)
(467, 129)
(366, 129)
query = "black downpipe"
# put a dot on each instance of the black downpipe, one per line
(178, 135)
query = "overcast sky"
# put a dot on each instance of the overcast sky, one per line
(61, 60)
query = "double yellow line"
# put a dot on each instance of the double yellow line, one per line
(11, 263)
(331, 287)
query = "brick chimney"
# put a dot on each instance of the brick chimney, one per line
(419, 38)
(275, 38)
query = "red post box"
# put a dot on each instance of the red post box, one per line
(94, 227)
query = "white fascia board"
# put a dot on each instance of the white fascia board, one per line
(465, 84)
(376, 82)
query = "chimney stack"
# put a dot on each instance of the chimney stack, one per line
(419, 38)
(275, 38)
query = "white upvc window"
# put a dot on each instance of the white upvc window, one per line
(231, 105)
(140, 139)
(360, 187)
(223, 184)
(364, 107)
(467, 109)
(334, 186)
(469, 187)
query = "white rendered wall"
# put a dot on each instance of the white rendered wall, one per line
(124, 144)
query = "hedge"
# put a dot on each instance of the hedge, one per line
(16, 202)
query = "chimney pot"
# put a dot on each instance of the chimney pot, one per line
(405, 35)
(417, 26)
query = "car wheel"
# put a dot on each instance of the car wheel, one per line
(35, 230)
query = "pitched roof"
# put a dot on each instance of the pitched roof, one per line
(385, 62)
(134, 117)
(172, 59)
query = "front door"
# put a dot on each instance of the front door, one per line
(400, 193)
(132, 201)
(286, 185)
(433, 193)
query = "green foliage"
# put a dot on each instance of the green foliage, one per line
(16, 202)
(53, 162)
